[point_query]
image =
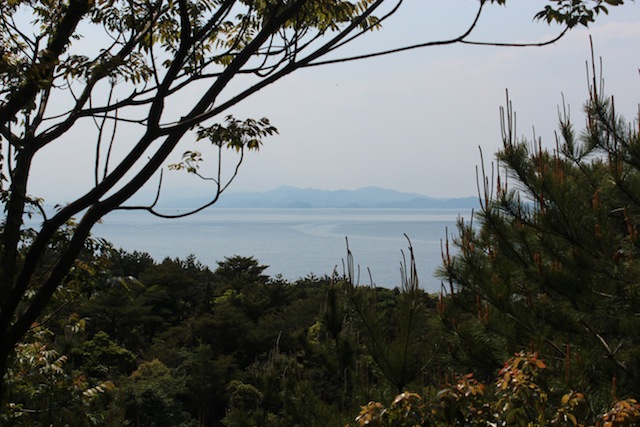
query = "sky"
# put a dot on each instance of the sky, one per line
(417, 121)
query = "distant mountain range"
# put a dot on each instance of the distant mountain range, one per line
(292, 197)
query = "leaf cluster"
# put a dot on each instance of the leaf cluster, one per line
(516, 399)
(572, 12)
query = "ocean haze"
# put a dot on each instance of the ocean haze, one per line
(293, 197)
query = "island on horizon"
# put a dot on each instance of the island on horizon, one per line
(294, 197)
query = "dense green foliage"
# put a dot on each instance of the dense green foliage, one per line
(173, 343)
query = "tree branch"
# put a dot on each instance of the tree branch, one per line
(43, 69)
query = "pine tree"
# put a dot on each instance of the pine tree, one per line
(553, 264)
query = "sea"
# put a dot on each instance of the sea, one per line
(296, 243)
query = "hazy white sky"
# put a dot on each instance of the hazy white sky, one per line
(414, 121)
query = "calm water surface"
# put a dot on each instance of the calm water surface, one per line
(294, 242)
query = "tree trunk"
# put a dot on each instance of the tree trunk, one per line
(5, 351)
